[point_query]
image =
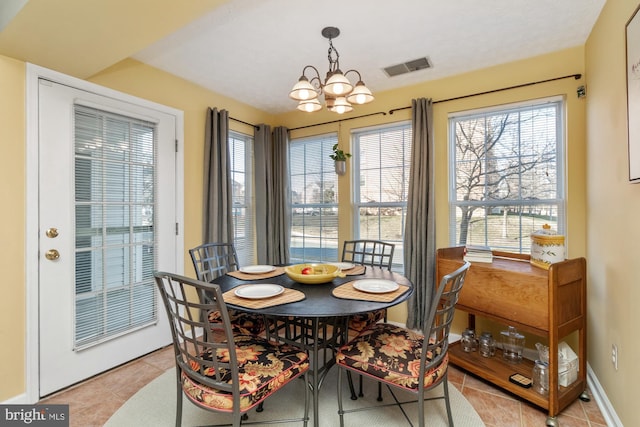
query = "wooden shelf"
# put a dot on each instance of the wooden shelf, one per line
(550, 304)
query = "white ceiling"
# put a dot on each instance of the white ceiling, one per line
(254, 50)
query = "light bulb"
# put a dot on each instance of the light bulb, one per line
(303, 94)
(360, 98)
(338, 88)
(339, 109)
(308, 107)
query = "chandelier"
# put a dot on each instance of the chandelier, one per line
(339, 93)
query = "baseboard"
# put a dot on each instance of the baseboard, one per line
(20, 399)
(598, 394)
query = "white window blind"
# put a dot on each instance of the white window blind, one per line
(314, 198)
(507, 175)
(115, 175)
(241, 149)
(382, 168)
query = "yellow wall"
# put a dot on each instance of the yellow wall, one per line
(12, 218)
(137, 79)
(613, 205)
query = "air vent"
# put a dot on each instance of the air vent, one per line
(408, 67)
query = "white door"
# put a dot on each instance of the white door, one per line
(106, 222)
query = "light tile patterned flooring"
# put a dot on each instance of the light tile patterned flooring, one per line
(92, 402)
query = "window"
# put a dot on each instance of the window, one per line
(115, 201)
(241, 150)
(382, 171)
(507, 171)
(314, 200)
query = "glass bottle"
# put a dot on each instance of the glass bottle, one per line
(540, 377)
(486, 344)
(469, 341)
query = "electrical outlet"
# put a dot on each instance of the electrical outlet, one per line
(614, 356)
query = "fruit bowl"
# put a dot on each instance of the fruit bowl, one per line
(313, 274)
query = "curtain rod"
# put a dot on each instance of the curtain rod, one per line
(340, 120)
(244, 123)
(575, 76)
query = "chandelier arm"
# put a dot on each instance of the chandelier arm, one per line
(304, 71)
(353, 71)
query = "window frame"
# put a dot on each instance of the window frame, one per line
(560, 165)
(357, 203)
(328, 246)
(245, 245)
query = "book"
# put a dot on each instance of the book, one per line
(475, 253)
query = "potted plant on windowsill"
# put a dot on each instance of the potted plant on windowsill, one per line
(340, 159)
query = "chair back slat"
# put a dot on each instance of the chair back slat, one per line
(375, 253)
(196, 340)
(438, 323)
(212, 260)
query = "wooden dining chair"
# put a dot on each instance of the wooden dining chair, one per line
(423, 362)
(374, 253)
(223, 371)
(212, 260)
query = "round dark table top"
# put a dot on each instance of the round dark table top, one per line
(319, 301)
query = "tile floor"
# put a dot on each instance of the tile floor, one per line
(94, 401)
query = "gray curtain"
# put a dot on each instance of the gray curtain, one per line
(272, 193)
(419, 235)
(217, 215)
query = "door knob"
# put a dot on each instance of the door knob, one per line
(52, 232)
(52, 254)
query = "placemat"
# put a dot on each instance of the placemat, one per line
(355, 271)
(245, 276)
(347, 291)
(289, 295)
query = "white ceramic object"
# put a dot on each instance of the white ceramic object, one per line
(257, 269)
(260, 291)
(375, 286)
(547, 247)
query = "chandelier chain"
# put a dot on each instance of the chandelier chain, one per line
(333, 64)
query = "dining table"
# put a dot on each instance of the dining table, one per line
(313, 316)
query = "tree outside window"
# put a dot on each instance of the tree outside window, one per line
(507, 175)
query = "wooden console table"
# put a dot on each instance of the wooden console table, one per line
(513, 292)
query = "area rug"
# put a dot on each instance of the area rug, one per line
(155, 404)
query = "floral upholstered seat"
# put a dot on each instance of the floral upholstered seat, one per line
(360, 322)
(391, 354)
(241, 322)
(414, 361)
(222, 367)
(263, 367)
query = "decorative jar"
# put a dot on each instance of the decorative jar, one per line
(547, 247)
(512, 345)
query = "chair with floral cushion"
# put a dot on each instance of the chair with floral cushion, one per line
(212, 260)
(374, 253)
(407, 359)
(223, 371)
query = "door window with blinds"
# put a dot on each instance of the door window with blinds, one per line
(115, 176)
(507, 173)
(314, 199)
(241, 149)
(382, 168)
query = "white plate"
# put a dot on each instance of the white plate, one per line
(343, 265)
(375, 286)
(257, 269)
(259, 291)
